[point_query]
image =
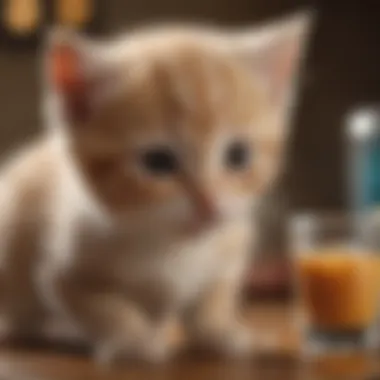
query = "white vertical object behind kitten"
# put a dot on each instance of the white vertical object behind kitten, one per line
(135, 205)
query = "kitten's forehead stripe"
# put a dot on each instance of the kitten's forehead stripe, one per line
(187, 89)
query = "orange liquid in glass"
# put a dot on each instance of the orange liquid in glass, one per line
(340, 291)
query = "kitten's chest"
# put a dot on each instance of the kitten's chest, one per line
(177, 271)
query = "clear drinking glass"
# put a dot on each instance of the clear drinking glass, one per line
(338, 281)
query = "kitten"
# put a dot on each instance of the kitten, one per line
(135, 206)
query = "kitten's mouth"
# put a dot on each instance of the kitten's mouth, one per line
(197, 227)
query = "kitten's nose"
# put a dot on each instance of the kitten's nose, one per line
(207, 210)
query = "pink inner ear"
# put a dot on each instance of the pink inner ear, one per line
(68, 77)
(279, 66)
(287, 65)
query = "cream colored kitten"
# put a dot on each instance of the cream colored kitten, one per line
(136, 204)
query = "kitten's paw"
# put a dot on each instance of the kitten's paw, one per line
(234, 340)
(153, 349)
(238, 341)
(156, 350)
(107, 353)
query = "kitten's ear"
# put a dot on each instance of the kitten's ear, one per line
(76, 71)
(274, 52)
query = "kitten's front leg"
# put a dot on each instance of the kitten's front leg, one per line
(216, 322)
(116, 327)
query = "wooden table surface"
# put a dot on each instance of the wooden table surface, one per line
(277, 360)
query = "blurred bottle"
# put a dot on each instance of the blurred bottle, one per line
(82, 15)
(75, 14)
(22, 17)
(363, 154)
(21, 22)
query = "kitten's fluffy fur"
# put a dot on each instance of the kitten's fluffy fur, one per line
(90, 235)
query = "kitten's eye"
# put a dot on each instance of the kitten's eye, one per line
(160, 161)
(237, 155)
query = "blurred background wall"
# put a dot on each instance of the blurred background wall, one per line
(343, 71)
